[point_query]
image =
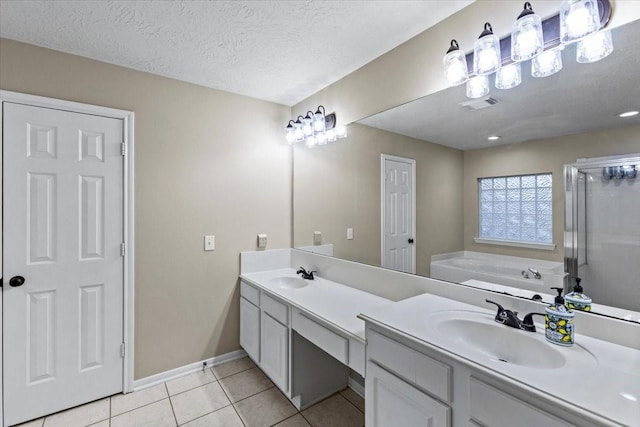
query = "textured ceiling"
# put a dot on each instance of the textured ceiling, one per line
(580, 98)
(280, 51)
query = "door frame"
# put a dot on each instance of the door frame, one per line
(412, 162)
(129, 278)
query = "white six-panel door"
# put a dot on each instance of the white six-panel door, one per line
(63, 229)
(398, 212)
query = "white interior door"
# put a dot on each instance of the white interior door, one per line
(398, 213)
(63, 227)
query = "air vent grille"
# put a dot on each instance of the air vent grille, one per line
(479, 104)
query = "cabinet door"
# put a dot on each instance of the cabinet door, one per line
(250, 329)
(393, 402)
(274, 350)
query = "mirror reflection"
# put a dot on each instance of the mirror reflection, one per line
(405, 189)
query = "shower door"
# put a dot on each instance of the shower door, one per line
(602, 228)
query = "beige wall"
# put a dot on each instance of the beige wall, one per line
(199, 170)
(338, 186)
(537, 157)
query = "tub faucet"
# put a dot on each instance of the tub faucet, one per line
(536, 273)
(510, 318)
(306, 274)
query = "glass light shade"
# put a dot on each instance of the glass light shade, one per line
(331, 135)
(311, 141)
(341, 131)
(307, 125)
(297, 131)
(478, 86)
(318, 122)
(526, 38)
(547, 63)
(509, 76)
(578, 18)
(455, 67)
(290, 135)
(594, 47)
(321, 138)
(486, 53)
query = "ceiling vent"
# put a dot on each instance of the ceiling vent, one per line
(479, 104)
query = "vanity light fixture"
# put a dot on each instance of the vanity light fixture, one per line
(486, 52)
(527, 39)
(578, 21)
(594, 47)
(315, 128)
(455, 65)
(628, 114)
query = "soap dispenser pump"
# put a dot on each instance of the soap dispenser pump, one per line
(558, 327)
(577, 300)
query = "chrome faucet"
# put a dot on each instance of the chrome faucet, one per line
(510, 318)
(536, 273)
(306, 274)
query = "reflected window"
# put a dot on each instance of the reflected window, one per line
(516, 208)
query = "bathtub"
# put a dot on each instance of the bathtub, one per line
(464, 266)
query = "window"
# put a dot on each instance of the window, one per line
(516, 208)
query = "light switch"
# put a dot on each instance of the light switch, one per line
(317, 238)
(349, 233)
(262, 241)
(209, 243)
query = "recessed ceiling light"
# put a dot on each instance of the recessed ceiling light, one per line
(493, 137)
(628, 114)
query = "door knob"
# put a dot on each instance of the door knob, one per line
(410, 241)
(16, 281)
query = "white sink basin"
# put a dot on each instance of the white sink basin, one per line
(479, 333)
(288, 282)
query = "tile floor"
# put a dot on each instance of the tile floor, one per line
(234, 394)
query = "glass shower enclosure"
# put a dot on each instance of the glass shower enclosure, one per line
(602, 228)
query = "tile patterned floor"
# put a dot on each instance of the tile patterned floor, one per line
(234, 394)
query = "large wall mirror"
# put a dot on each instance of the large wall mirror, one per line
(417, 173)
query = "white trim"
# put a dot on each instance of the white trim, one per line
(412, 162)
(181, 371)
(513, 243)
(356, 387)
(129, 173)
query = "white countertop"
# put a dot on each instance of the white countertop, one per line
(335, 303)
(609, 388)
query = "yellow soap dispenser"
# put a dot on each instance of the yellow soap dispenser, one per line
(558, 325)
(577, 300)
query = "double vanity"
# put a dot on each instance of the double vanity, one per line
(430, 357)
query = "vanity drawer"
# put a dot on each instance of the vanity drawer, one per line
(276, 309)
(429, 374)
(250, 293)
(492, 407)
(334, 344)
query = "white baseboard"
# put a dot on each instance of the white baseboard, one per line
(356, 387)
(185, 370)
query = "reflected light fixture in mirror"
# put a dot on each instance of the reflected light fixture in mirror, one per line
(486, 52)
(594, 47)
(628, 114)
(509, 76)
(578, 19)
(455, 65)
(527, 39)
(547, 63)
(478, 86)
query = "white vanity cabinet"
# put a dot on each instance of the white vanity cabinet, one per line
(412, 385)
(250, 321)
(274, 341)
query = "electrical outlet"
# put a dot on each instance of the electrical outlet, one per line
(209, 243)
(317, 238)
(349, 233)
(262, 241)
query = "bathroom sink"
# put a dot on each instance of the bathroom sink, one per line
(288, 282)
(479, 333)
